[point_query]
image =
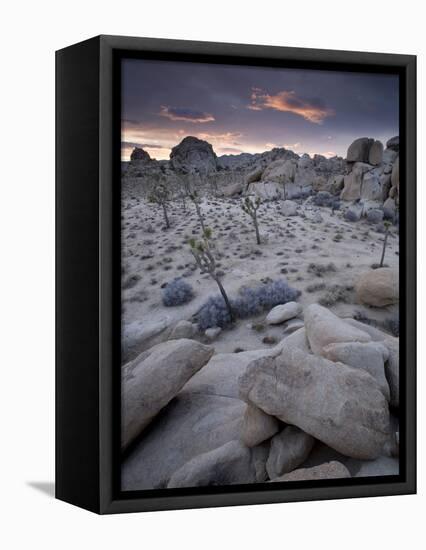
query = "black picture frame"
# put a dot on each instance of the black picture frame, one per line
(88, 273)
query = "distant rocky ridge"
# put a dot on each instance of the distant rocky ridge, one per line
(366, 180)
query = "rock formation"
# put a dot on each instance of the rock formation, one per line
(193, 155)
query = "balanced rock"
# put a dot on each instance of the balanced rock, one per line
(359, 150)
(150, 381)
(283, 312)
(329, 470)
(375, 155)
(257, 426)
(193, 155)
(339, 405)
(139, 154)
(324, 327)
(378, 287)
(289, 449)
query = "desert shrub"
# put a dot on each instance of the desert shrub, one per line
(375, 216)
(177, 292)
(315, 287)
(250, 302)
(351, 215)
(323, 198)
(131, 281)
(213, 313)
(321, 269)
(390, 324)
(334, 294)
(253, 301)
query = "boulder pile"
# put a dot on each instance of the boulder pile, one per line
(373, 175)
(319, 405)
(368, 179)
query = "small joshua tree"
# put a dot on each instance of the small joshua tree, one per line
(193, 195)
(160, 194)
(203, 255)
(385, 242)
(212, 181)
(251, 207)
(282, 181)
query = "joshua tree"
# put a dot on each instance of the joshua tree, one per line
(282, 181)
(193, 195)
(250, 207)
(212, 180)
(203, 255)
(385, 242)
(160, 194)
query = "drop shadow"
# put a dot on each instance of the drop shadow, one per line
(46, 487)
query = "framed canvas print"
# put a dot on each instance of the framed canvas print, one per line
(235, 274)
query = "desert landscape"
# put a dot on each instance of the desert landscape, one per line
(260, 326)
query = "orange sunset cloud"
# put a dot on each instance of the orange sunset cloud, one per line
(287, 101)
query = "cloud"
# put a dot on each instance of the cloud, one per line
(184, 114)
(229, 138)
(312, 110)
(143, 145)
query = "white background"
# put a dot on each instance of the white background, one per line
(30, 33)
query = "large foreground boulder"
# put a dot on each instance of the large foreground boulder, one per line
(151, 381)
(289, 449)
(378, 287)
(229, 464)
(257, 426)
(205, 414)
(192, 424)
(369, 356)
(329, 470)
(220, 375)
(324, 327)
(392, 363)
(339, 405)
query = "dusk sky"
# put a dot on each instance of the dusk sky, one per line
(253, 109)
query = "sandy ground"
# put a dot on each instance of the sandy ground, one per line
(152, 256)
